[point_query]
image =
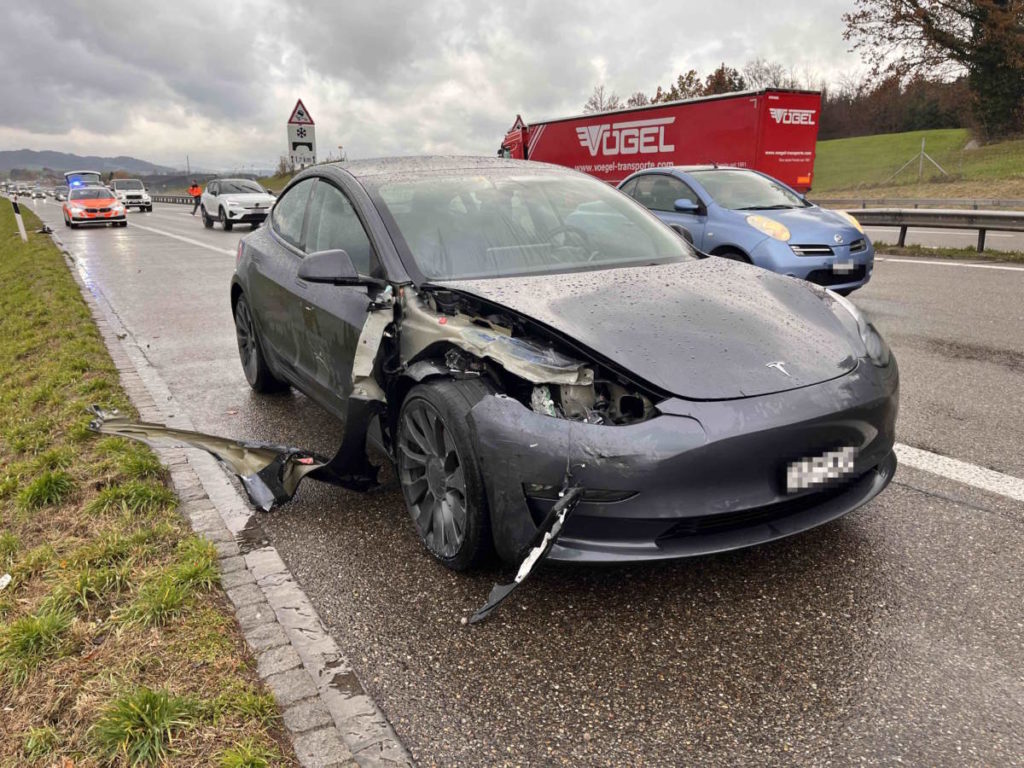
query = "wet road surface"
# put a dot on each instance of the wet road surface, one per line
(893, 635)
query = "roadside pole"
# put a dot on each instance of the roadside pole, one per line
(21, 224)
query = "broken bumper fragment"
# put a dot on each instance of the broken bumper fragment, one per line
(269, 473)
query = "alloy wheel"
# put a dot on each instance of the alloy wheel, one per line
(432, 478)
(245, 333)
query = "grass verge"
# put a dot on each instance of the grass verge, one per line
(866, 162)
(885, 249)
(117, 646)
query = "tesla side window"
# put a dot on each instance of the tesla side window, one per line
(290, 211)
(630, 188)
(333, 224)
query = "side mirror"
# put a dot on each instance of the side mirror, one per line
(684, 205)
(334, 267)
(683, 232)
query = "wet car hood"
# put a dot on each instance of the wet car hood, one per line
(703, 330)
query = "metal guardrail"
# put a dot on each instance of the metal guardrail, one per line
(943, 218)
(183, 199)
(919, 202)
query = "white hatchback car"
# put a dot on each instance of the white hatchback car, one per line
(235, 201)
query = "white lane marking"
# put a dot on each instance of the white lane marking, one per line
(950, 263)
(183, 239)
(962, 472)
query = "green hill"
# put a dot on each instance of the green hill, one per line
(868, 164)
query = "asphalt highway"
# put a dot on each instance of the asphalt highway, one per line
(895, 635)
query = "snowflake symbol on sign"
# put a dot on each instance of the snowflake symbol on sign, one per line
(301, 133)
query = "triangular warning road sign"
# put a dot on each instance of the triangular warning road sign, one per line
(300, 115)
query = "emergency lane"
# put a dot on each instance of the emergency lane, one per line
(894, 633)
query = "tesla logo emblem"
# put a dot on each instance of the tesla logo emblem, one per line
(838, 238)
(778, 365)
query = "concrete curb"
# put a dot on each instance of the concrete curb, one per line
(331, 719)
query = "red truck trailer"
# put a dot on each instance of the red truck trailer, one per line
(772, 130)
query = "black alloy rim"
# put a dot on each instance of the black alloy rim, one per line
(432, 478)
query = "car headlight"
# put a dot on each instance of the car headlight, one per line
(877, 350)
(770, 227)
(851, 219)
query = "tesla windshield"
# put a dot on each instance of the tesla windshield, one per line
(746, 191)
(505, 224)
(239, 187)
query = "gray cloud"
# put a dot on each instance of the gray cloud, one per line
(217, 80)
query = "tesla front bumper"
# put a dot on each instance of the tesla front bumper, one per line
(699, 478)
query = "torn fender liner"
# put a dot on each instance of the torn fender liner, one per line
(547, 535)
(270, 473)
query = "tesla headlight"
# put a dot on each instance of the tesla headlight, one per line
(878, 351)
(851, 219)
(770, 227)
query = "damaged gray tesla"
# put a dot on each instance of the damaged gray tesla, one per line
(512, 334)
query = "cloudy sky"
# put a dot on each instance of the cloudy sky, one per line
(217, 79)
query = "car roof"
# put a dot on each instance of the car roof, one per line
(233, 178)
(435, 163)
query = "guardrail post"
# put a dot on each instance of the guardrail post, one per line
(903, 236)
(981, 240)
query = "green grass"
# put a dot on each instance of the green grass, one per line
(49, 489)
(40, 742)
(868, 161)
(140, 726)
(247, 754)
(30, 640)
(133, 497)
(113, 637)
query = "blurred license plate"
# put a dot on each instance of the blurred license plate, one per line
(842, 267)
(819, 470)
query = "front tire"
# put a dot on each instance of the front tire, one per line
(224, 221)
(250, 352)
(440, 475)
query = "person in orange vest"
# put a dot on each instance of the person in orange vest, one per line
(197, 193)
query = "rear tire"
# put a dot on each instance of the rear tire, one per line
(207, 221)
(224, 221)
(440, 475)
(250, 352)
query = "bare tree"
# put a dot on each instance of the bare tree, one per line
(638, 99)
(600, 101)
(761, 73)
(944, 38)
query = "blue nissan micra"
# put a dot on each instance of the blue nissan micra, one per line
(745, 215)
